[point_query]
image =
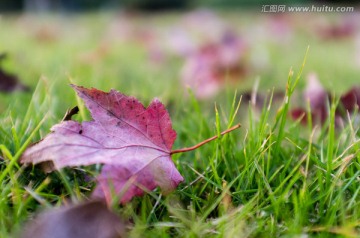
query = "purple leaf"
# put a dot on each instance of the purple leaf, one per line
(315, 92)
(318, 98)
(213, 64)
(351, 99)
(132, 141)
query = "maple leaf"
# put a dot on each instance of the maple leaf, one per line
(132, 141)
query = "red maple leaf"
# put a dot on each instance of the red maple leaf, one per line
(132, 141)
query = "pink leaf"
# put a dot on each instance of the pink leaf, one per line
(315, 92)
(317, 97)
(208, 69)
(132, 141)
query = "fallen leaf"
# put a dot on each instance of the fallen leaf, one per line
(132, 141)
(299, 113)
(212, 65)
(351, 99)
(179, 42)
(318, 99)
(315, 92)
(345, 29)
(9, 82)
(87, 220)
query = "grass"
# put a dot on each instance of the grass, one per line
(272, 178)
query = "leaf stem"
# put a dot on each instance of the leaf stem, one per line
(70, 112)
(204, 142)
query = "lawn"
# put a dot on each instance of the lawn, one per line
(273, 177)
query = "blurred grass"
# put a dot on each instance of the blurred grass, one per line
(60, 46)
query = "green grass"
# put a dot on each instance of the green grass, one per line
(271, 178)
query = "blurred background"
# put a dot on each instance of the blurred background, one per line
(148, 5)
(149, 48)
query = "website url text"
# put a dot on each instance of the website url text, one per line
(313, 8)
